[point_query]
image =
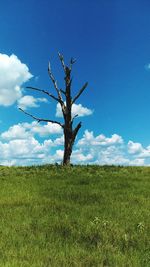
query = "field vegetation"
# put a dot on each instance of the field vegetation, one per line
(78, 216)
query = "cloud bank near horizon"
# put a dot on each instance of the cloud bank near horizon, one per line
(33, 143)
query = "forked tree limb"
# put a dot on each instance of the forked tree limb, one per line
(75, 131)
(72, 120)
(52, 78)
(40, 119)
(62, 91)
(54, 82)
(45, 92)
(72, 61)
(75, 116)
(80, 92)
(62, 61)
(62, 103)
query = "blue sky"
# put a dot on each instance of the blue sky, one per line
(111, 42)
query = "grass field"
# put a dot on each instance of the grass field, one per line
(76, 216)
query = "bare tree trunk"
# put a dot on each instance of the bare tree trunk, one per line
(68, 144)
(69, 139)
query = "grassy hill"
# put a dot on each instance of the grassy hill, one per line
(76, 216)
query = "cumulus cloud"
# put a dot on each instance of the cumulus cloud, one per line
(79, 157)
(137, 162)
(15, 132)
(21, 145)
(77, 109)
(134, 148)
(43, 130)
(138, 150)
(59, 141)
(26, 130)
(111, 155)
(29, 101)
(58, 156)
(24, 151)
(13, 74)
(145, 153)
(100, 140)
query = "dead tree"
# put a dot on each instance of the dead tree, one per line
(66, 101)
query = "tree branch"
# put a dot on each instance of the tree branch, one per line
(54, 82)
(72, 61)
(40, 119)
(75, 131)
(62, 61)
(45, 92)
(62, 91)
(74, 118)
(63, 107)
(80, 92)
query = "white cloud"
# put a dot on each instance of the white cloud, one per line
(26, 130)
(13, 74)
(100, 140)
(43, 130)
(29, 101)
(20, 145)
(138, 150)
(24, 152)
(79, 157)
(59, 141)
(145, 153)
(15, 132)
(110, 155)
(113, 160)
(137, 162)
(76, 110)
(134, 148)
(58, 155)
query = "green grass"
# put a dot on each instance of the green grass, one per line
(76, 216)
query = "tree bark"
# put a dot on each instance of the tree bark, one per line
(69, 139)
(68, 133)
(68, 144)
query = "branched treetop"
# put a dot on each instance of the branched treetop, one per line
(69, 101)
